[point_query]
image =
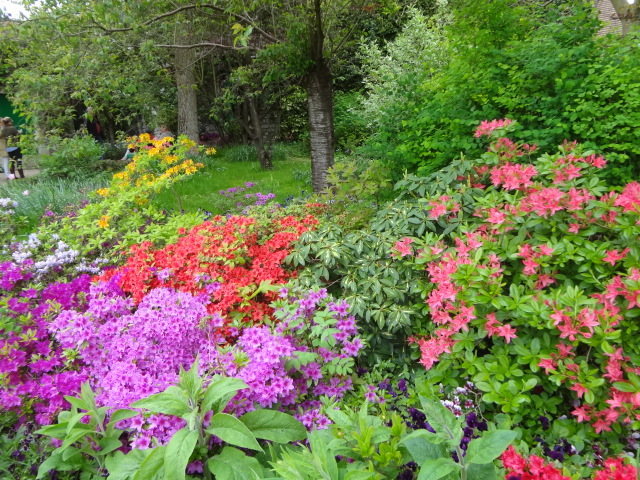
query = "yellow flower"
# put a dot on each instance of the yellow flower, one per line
(104, 221)
(145, 138)
(171, 159)
(210, 151)
(103, 192)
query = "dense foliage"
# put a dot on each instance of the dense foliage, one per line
(550, 72)
(477, 322)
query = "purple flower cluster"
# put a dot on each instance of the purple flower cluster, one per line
(128, 352)
(243, 199)
(36, 373)
(230, 192)
(131, 353)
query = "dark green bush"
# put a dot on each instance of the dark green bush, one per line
(552, 73)
(350, 128)
(78, 156)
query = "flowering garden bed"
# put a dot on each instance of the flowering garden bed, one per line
(139, 345)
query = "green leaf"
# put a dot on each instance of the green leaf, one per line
(233, 431)
(108, 445)
(489, 447)
(486, 471)
(151, 465)
(79, 403)
(357, 475)
(422, 450)
(624, 387)
(178, 452)
(122, 467)
(190, 381)
(273, 425)
(434, 438)
(340, 418)
(220, 391)
(58, 430)
(121, 414)
(172, 401)
(232, 464)
(435, 469)
(50, 463)
(441, 419)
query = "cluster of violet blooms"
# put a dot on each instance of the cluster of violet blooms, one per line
(129, 352)
(260, 198)
(35, 373)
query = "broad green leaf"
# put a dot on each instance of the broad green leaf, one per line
(485, 471)
(441, 419)
(232, 464)
(357, 475)
(109, 444)
(49, 464)
(489, 447)
(58, 430)
(172, 401)
(190, 381)
(339, 418)
(220, 391)
(624, 387)
(436, 469)
(79, 403)
(74, 419)
(122, 414)
(123, 467)
(178, 452)
(422, 450)
(434, 438)
(273, 425)
(232, 431)
(152, 465)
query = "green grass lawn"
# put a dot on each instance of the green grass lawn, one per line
(231, 167)
(290, 177)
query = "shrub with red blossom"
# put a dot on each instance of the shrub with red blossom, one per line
(532, 288)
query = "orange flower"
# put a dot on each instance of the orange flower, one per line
(104, 221)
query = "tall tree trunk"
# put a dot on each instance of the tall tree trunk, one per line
(319, 85)
(185, 59)
(628, 13)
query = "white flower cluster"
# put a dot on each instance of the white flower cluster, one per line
(93, 267)
(62, 255)
(25, 249)
(6, 206)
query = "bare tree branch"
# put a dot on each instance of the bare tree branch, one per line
(205, 44)
(242, 17)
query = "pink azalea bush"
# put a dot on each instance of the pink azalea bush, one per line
(35, 375)
(533, 294)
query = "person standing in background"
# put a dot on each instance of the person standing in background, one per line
(7, 130)
(93, 125)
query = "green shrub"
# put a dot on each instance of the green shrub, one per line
(79, 156)
(350, 127)
(552, 73)
(524, 280)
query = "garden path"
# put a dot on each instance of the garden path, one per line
(28, 173)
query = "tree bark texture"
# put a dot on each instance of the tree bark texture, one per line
(185, 59)
(628, 13)
(319, 85)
